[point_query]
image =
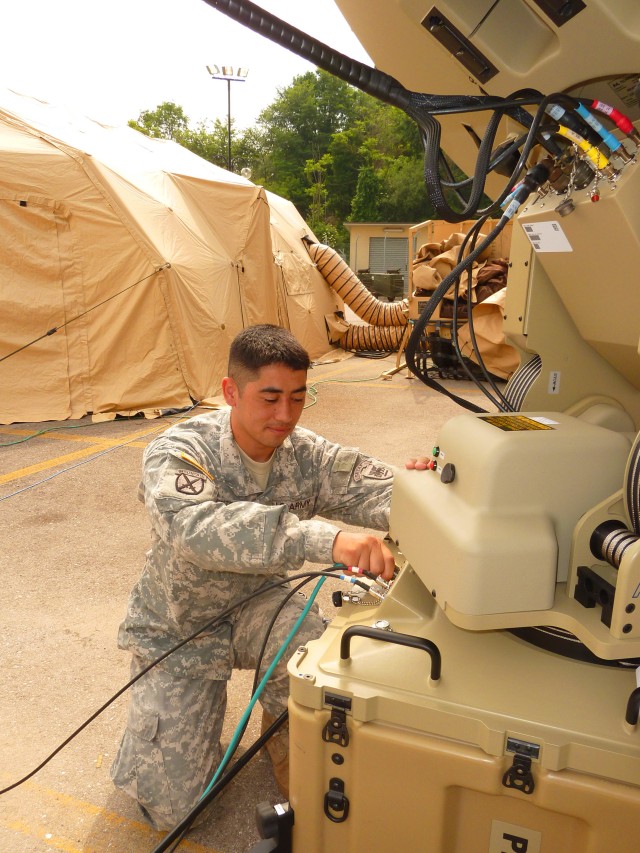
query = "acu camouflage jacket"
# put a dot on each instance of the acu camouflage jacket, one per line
(216, 537)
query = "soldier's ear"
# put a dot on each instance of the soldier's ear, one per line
(230, 391)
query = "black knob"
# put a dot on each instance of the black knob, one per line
(448, 473)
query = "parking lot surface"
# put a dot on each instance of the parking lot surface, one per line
(72, 543)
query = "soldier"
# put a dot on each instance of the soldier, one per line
(232, 496)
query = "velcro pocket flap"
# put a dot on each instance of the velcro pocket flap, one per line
(143, 723)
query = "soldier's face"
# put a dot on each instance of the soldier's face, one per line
(266, 409)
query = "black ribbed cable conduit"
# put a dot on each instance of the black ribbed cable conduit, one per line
(420, 107)
(369, 80)
(632, 487)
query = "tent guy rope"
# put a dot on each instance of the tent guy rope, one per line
(55, 329)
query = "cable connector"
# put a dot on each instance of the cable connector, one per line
(370, 585)
(374, 592)
(533, 180)
(367, 585)
(352, 580)
(356, 570)
(377, 580)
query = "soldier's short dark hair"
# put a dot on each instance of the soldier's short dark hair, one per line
(263, 345)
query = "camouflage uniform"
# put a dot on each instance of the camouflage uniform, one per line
(215, 539)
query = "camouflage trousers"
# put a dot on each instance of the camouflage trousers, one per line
(171, 746)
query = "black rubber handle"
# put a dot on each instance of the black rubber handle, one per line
(633, 707)
(392, 637)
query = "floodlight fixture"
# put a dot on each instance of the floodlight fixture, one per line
(229, 74)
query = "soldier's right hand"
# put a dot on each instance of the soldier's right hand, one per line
(417, 464)
(364, 550)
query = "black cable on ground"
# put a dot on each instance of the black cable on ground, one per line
(168, 413)
(309, 575)
(97, 455)
(371, 354)
(178, 833)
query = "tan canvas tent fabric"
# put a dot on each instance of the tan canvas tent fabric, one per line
(146, 259)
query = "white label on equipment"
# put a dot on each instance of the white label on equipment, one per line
(554, 382)
(546, 421)
(624, 87)
(508, 838)
(547, 237)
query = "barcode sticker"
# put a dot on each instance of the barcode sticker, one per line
(547, 237)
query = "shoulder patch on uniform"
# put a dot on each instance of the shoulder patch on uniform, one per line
(184, 483)
(190, 482)
(371, 471)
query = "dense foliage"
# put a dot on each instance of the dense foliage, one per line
(338, 154)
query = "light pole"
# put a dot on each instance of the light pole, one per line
(227, 73)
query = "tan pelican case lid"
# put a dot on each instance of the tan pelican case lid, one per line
(495, 689)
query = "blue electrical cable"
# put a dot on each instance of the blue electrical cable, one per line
(241, 725)
(609, 139)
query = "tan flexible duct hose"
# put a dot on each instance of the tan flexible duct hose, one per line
(379, 338)
(348, 286)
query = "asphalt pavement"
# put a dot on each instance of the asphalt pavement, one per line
(72, 541)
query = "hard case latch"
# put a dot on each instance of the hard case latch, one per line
(336, 804)
(336, 730)
(519, 775)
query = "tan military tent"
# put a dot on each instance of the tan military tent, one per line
(127, 265)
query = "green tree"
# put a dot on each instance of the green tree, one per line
(316, 173)
(335, 152)
(299, 126)
(342, 175)
(250, 150)
(211, 145)
(367, 200)
(167, 121)
(404, 197)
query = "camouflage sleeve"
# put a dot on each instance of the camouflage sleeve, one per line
(242, 536)
(355, 488)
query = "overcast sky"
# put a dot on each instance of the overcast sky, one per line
(111, 60)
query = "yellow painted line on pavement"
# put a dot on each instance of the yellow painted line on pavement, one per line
(73, 812)
(79, 454)
(48, 463)
(62, 436)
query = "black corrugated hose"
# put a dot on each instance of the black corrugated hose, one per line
(422, 108)
(419, 106)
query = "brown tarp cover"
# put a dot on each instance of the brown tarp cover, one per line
(434, 261)
(144, 258)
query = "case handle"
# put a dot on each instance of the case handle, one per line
(392, 637)
(633, 707)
